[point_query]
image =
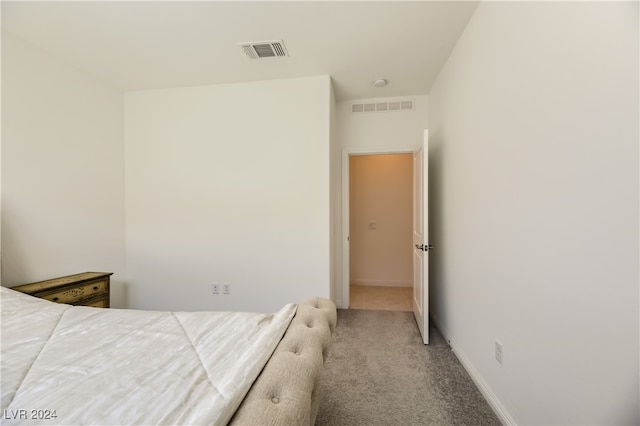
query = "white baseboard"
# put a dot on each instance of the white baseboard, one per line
(491, 398)
(381, 283)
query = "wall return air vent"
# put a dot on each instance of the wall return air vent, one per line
(383, 106)
(264, 49)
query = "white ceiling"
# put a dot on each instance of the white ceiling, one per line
(160, 44)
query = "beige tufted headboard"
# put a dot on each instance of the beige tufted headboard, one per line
(287, 391)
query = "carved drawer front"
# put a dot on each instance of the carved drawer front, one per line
(75, 294)
(84, 289)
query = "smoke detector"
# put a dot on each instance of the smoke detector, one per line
(264, 49)
(381, 82)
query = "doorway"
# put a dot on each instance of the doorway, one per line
(380, 205)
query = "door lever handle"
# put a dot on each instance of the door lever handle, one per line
(420, 247)
(424, 247)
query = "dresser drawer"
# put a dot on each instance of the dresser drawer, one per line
(99, 303)
(75, 294)
(84, 289)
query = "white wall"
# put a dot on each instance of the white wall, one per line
(393, 131)
(228, 183)
(62, 171)
(381, 191)
(534, 176)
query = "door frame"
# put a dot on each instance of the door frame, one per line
(346, 153)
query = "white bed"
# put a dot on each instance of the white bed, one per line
(65, 364)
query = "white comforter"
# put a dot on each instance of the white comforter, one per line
(112, 366)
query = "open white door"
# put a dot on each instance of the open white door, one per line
(421, 237)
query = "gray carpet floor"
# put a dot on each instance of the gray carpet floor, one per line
(378, 372)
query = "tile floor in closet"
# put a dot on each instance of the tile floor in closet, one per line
(380, 298)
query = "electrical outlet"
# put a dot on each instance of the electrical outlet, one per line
(499, 352)
(215, 288)
(226, 288)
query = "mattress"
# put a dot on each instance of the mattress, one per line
(66, 364)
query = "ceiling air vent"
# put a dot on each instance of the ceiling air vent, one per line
(383, 106)
(264, 49)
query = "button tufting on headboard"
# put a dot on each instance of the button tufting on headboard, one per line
(294, 370)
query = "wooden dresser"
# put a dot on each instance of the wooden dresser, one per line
(85, 289)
